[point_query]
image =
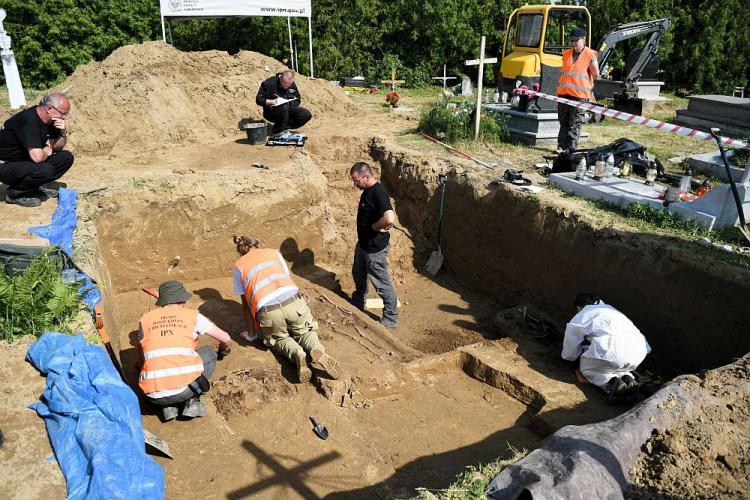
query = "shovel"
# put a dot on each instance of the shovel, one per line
(743, 225)
(151, 440)
(319, 429)
(435, 262)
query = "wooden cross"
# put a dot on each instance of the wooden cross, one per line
(481, 62)
(444, 78)
(393, 80)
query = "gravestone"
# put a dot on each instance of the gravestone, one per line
(466, 87)
(532, 129)
(730, 114)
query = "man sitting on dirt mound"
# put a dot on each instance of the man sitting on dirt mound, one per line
(174, 369)
(31, 145)
(271, 303)
(609, 345)
(281, 100)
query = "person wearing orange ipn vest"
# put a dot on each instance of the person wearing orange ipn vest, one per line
(271, 303)
(174, 370)
(580, 69)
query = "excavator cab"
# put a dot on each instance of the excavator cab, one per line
(535, 38)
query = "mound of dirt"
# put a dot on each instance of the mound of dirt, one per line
(441, 340)
(705, 454)
(152, 95)
(244, 390)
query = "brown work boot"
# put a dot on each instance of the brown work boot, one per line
(303, 371)
(322, 361)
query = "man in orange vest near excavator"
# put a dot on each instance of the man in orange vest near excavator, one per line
(174, 370)
(273, 306)
(579, 71)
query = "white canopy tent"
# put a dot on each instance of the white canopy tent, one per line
(186, 9)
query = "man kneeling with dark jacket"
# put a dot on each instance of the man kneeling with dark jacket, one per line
(281, 99)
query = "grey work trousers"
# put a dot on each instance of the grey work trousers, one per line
(375, 267)
(208, 356)
(571, 121)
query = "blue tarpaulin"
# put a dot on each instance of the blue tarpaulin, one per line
(60, 232)
(93, 421)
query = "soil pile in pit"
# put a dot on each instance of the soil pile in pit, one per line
(151, 95)
(245, 390)
(705, 454)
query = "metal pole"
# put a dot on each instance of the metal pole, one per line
(309, 34)
(163, 31)
(291, 48)
(479, 89)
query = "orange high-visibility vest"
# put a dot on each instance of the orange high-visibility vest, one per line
(262, 274)
(574, 76)
(170, 359)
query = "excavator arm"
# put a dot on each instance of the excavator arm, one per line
(626, 31)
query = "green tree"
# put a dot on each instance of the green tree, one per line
(50, 38)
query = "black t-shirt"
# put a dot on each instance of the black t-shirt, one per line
(24, 131)
(373, 204)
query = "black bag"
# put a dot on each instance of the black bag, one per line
(619, 149)
(15, 259)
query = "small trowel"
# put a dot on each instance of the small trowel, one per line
(319, 429)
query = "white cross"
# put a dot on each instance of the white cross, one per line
(10, 69)
(444, 78)
(481, 62)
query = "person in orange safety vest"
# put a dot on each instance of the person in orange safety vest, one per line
(579, 71)
(273, 306)
(174, 370)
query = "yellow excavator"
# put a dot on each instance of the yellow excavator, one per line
(536, 37)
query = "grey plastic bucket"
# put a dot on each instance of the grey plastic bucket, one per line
(257, 131)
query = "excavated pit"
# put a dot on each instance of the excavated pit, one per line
(416, 405)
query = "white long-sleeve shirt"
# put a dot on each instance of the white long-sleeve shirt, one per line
(612, 336)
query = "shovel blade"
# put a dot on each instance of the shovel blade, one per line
(154, 442)
(434, 263)
(321, 431)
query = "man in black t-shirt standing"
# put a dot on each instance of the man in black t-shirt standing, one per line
(281, 99)
(31, 147)
(375, 217)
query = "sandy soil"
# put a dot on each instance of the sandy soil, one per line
(155, 133)
(704, 455)
(27, 464)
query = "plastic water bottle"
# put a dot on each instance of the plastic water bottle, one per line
(581, 169)
(609, 169)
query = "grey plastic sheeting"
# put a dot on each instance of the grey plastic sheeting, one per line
(591, 461)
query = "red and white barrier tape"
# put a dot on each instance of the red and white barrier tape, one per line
(640, 120)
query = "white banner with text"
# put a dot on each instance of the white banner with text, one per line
(224, 8)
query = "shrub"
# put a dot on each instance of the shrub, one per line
(36, 301)
(452, 122)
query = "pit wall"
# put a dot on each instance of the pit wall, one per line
(186, 233)
(512, 247)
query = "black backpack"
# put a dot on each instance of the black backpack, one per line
(620, 149)
(14, 259)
